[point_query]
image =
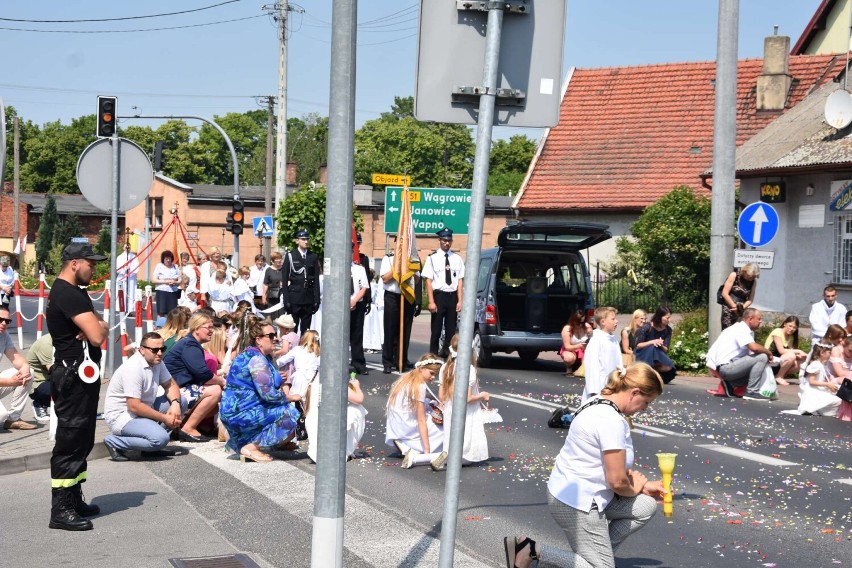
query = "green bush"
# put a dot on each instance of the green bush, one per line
(688, 348)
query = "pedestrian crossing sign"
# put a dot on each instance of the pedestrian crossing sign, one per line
(263, 226)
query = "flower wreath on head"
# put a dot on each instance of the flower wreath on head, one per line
(426, 362)
(453, 353)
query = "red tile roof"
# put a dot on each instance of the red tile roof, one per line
(628, 135)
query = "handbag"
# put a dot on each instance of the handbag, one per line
(563, 417)
(489, 415)
(301, 430)
(845, 390)
(719, 299)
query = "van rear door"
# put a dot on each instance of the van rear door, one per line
(560, 235)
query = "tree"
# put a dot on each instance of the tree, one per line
(51, 156)
(307, 146)
(434, 155)
(671, 248)
(305, 209)
(46, 226)
(104, 244)
(68, 228)
(180, 154)
(508, 164)
(26, 131)
(247, 132)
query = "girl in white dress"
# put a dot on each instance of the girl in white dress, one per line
(220, 292)
(816, 391)
(475, 441)
(240, 289)
(409, 424)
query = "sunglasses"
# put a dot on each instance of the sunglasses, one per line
(5, 320)
(154, 350)
(271, 336)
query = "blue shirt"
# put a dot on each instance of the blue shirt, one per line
(185, 362)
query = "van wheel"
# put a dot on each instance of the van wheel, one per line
(527, 356)
(482, 355)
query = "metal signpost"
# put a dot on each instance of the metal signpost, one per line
(114, 175)
(431, 209)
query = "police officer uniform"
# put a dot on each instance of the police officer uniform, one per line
(394, 301)
(444, 274)
(75, 401)
(301, 290)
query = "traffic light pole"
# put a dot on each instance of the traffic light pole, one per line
(115, 142)
(235, 259)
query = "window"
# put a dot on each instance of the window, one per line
(156, 212)
(484, 274)
(843, 249)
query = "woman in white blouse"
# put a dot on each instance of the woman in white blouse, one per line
(166, 278)
(593, 492)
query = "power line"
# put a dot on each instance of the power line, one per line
(131, 31)
(118, 19)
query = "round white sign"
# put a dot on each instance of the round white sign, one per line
(94, 174)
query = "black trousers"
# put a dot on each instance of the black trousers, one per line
(76, 406)
(302, 315)
(444, 317)
(390, 348)
(356, 337)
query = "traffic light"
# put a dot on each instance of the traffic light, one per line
(229, 223)
(106, 117)
(236, 217)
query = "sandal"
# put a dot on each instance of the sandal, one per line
(512, 548)
(254, 456)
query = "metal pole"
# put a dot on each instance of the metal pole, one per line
(474, 245)
(724, 158)
(330, 484)
(115, 141)
(281, 132)
(16, 181)
(235, 260)
(270, 132)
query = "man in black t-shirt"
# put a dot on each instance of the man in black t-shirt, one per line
(73, 324)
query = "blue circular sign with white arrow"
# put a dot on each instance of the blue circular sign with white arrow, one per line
(758, 224)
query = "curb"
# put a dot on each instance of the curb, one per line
(41, 460)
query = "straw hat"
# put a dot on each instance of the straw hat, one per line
(286, 321)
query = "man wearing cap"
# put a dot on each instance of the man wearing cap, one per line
(72, 320)
(444, 274)
(301, 290)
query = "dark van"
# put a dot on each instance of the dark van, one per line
(528, 286)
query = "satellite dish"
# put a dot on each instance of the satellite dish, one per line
(838, 109)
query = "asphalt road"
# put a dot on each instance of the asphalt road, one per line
(754, 486)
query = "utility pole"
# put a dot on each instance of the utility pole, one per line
(270, 132)
(16, 181)
(724, 157)
(281, 156)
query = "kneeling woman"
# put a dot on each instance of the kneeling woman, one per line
(593, 493)
(254, 408)
(409, 426)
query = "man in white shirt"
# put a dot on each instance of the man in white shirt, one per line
(826, 312)
(7, 280)
(255, 279)
(444, 275)
(17, 381)
(137, 418)
(738, 358)
(359, 287)
(603, 354)
(127, 268)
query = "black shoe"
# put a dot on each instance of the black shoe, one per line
(408, 366)
(83, 509)
(184, 437)
(62, 513)
(386, 370)
(115, 454)
(364, 371)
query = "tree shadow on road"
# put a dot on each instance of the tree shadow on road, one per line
(117, 502)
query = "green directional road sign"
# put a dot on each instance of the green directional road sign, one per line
(431, 209)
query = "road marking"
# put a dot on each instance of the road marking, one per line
(746, 455)
(540, 404)
(661, 431)
(371, 534)
(846, 481)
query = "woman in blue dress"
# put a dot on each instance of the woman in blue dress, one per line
(254, 409)
(652, 344)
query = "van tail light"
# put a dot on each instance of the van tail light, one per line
(490, 314)
(590, 316)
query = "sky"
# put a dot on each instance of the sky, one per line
(207, 70)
